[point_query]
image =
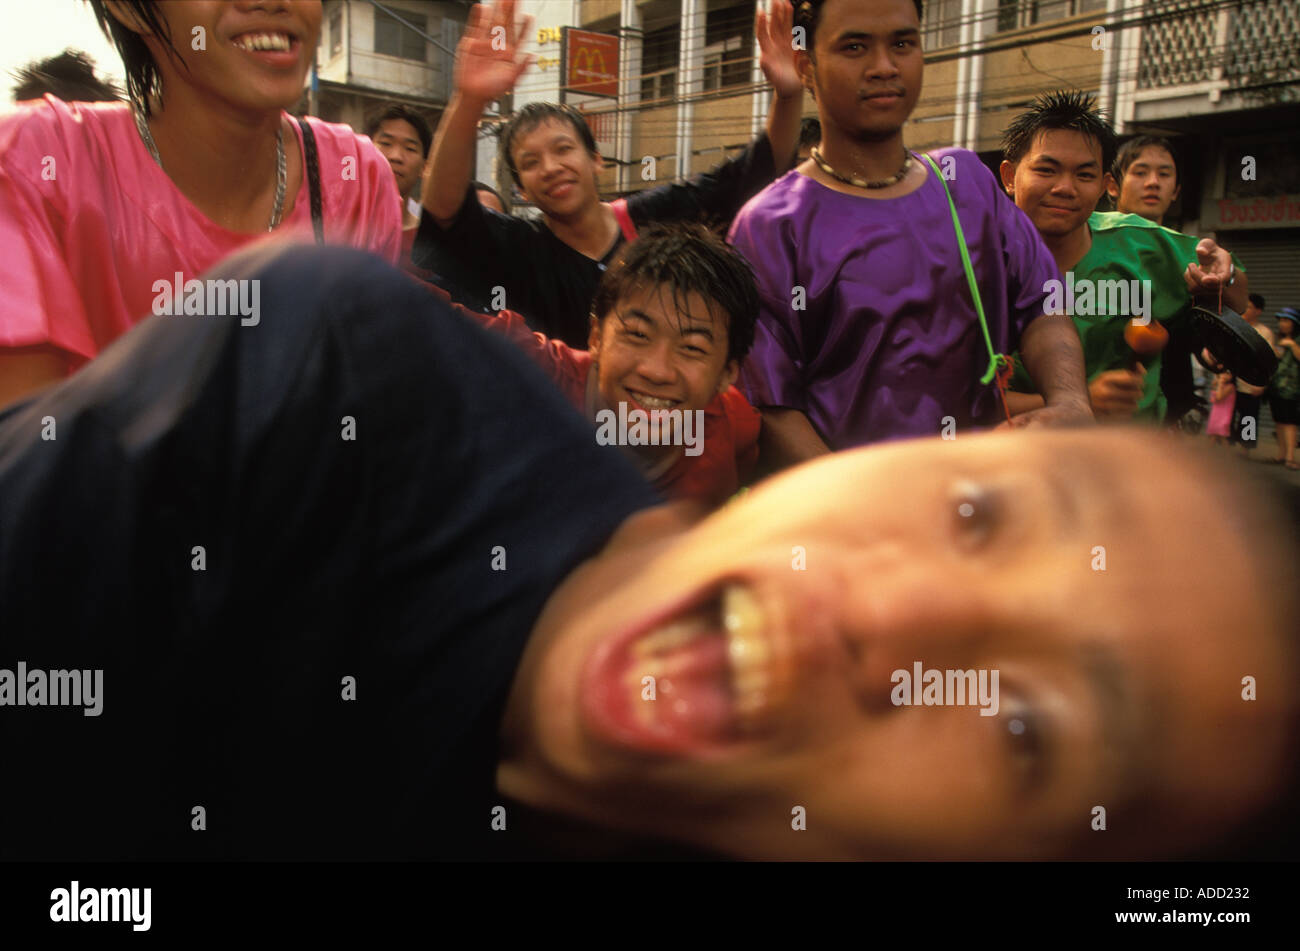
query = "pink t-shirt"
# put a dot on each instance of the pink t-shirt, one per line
(88, 221)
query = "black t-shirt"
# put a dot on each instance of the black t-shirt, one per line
(547, 281)
(413, 557)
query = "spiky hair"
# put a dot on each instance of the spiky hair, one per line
(1065, 109)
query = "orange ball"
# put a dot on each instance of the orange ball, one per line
(1146, 339)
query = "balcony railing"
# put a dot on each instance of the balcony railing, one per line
(1250, 45)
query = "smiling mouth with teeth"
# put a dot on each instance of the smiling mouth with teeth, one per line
(696, 682)
(254, 42)
(654, 402)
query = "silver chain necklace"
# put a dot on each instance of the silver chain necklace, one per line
(281, 176)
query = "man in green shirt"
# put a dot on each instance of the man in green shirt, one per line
(1117, 268)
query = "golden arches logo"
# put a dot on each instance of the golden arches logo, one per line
(591, 57)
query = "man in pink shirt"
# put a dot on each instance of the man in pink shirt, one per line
(103, 205)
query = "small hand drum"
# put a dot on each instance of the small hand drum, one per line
(1234, 343)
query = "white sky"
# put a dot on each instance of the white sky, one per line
(35, 29)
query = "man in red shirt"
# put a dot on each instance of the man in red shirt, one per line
(670, 322)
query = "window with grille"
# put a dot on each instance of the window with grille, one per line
(1013, 14)
(396, 39)
(728, 43)
(660, 53)
(336, 33)
(942, 24)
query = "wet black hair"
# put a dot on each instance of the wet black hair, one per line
(142, 77)
(530, 117)
(70, 76)
(1064, 109)
(1256, 299)
(396, 110)
(1130, 150)
(807, 14)
(689, 258)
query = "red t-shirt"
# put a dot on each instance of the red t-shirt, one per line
(731, 424)
(88, 221)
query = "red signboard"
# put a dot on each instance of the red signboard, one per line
(1274, 210)
(591, 63)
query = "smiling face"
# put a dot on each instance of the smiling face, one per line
(555, 171)
(773, 629)
(1058, 182)
(255, 55)
(400, 143)
(866, 67)
(655, 353)
(1150, 185)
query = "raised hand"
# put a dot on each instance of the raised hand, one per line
(1212, 270)
(775, 32)
(488, 57)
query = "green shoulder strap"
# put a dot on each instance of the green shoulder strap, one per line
(995, 358)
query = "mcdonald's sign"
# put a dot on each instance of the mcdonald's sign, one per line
(590, 63)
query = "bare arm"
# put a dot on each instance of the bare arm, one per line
(487, 67)
(775, 32)
(1053, 356)
(25, 370)
(787, 439)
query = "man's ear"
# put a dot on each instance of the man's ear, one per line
(127, 16)
(593, 338)
(804, 65)
(729, 374)
(1177, 190)
(1007, 171)
(1112, 186)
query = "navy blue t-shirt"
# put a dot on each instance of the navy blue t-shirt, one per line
(306, 555)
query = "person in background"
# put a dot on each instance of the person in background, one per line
(1055, 158)
(671, 320)
(547, 270)
(867, 331)
(404, 138)
(1224, 396)
(1245, 421)
(1284, 388)
(1144, 178)
(70, 76)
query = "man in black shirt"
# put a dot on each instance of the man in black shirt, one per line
(548, 270)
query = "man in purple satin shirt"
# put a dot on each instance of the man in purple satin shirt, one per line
(867, 330)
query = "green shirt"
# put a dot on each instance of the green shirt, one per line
(1286, 381)
(1125, 248)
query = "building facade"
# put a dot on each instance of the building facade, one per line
(373, 52)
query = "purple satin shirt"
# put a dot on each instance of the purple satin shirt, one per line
(887, 343)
